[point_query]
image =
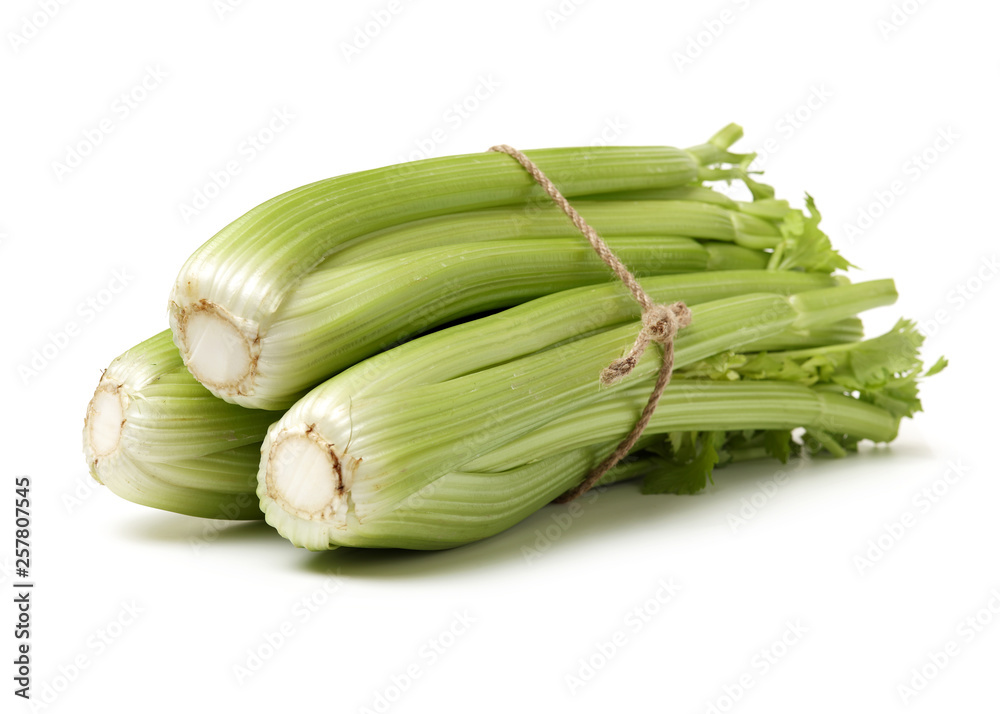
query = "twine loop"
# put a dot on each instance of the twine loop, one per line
(660, 324)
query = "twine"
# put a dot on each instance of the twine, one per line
(660, 323)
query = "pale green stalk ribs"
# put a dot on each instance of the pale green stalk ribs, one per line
(355, 311)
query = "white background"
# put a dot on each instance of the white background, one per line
(210, 595)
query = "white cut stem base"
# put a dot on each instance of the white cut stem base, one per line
(304, 476)
(105, 420)
(216, 351)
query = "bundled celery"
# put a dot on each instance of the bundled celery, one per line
(457, 434)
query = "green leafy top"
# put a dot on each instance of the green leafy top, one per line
(690, 457)
(883, 371)
(805, 246)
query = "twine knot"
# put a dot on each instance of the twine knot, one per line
(663, 321)
(659, 324)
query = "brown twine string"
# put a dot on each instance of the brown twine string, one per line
(660, 323)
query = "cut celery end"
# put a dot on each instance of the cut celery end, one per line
(156, 437)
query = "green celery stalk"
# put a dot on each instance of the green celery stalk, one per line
(383, 447)
(465, 505)
(232, 291)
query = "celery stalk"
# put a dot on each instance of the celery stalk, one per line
(229, 294)
(465, 505)
(383, 447)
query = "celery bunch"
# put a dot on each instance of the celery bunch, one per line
(409, 356)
